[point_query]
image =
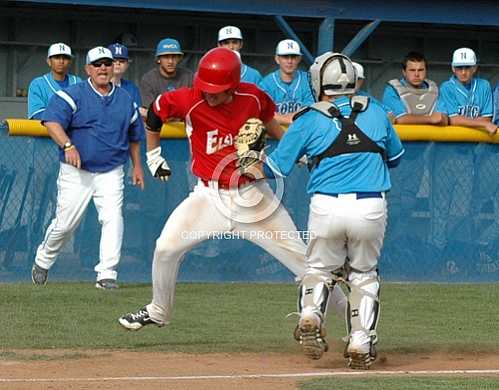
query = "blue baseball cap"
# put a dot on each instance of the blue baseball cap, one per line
(118, 50)
(168, 46)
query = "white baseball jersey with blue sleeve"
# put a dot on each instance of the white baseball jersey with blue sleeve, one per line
(471, 101)
(42, 88)
(100, 127)
(312, 133)
(250, 75)
(288, 97)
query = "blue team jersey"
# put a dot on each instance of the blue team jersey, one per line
(313, 132)
(288, 97)
(473, 102)
(387, 109)
(41, 89)
(250, 75)
(496, 104)
(132, 89)
(100, 127)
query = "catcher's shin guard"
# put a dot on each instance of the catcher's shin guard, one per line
(362, 319)
(312, 304)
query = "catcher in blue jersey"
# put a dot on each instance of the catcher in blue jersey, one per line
(42, 88)
(288, 86)
(350, 143)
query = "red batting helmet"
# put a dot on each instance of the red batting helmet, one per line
(218, 71)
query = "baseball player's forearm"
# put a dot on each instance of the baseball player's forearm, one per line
(274, 129)
(434, 119)
(152, 139)
(284, 119)
(476, 123)
(135, 153)
(57, 133)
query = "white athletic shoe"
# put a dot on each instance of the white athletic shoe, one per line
(311, 335)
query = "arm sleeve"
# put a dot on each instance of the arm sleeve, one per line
(495, 119)
(146, 92)
(59, 110)
(488, 108)
(391, 99)
(394, 148)
(290, 148)
(446, 103)
(136, 128)
(172, 104)
(36, 101)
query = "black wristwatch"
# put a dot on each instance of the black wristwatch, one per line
(68, 145)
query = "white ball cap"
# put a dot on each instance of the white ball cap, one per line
(229, 32)
(359, 69)
(98, 53)
(464, 57)
(59, 49)
(288, 47)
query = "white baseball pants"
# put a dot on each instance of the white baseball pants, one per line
(345, 227)
(208, 211)
(75, 189)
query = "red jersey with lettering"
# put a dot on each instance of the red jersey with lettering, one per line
(211, 130)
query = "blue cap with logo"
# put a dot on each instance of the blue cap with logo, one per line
(119, 50)
(168, 46)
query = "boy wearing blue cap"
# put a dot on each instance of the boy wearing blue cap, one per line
(120, 66)
(167, 76)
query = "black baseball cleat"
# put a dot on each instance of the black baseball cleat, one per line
(39, 275)
(135, 321)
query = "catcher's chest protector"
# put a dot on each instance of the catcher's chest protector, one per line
(351, 138)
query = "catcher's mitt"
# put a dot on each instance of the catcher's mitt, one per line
(249, 143)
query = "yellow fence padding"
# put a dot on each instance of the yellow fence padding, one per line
(33, 128)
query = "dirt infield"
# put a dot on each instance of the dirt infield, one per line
(60, 369)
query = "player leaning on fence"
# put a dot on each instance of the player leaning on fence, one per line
(97, 126)
(350, 144)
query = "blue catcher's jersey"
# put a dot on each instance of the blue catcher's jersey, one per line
(313, 132)
(288, 97)
(471, 101)
(101, 127)
(250, 75)
(42, 88)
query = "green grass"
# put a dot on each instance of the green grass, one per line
(240, 318)
(405, 383)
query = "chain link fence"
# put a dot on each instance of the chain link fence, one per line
(443, 218)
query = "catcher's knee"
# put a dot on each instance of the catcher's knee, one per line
(363, 304)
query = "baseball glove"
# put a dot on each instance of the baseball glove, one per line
(249, 143)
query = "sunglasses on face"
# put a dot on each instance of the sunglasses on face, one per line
(98, 64)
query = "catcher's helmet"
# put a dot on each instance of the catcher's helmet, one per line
(218, 71)
(332, 74)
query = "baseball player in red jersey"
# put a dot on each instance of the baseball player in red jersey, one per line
(223, 201)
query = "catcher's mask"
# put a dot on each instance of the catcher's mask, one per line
(218, 70)
(332, 74)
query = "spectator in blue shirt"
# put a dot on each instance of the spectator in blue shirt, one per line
(41, 89)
